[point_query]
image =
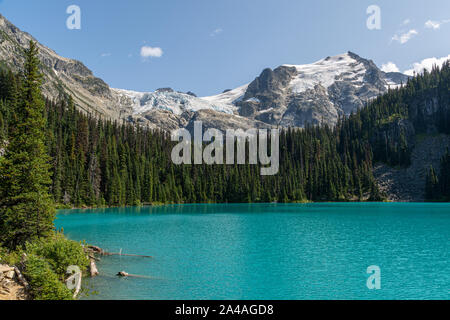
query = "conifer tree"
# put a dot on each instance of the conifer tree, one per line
(26, 207)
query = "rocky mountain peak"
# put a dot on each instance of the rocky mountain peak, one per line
(294, 95)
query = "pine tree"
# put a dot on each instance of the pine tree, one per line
(26, 207)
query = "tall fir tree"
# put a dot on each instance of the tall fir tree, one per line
(26, 207)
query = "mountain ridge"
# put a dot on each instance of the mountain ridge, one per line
(61, 75)
(287, 96)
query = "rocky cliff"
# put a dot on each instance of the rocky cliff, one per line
(408, 184)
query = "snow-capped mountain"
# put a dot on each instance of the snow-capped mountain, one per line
(288, 96)
(295, 95)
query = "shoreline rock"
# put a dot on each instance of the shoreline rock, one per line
(13, 285)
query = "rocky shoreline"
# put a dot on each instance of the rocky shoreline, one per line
(12, 284)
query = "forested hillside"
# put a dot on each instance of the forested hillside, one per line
(108, 163)
(393, 122)
(103, 163)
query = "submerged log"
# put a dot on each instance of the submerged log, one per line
(122, 274)
(98, 250)
(125, 274)
(92, 250)
(124, 254)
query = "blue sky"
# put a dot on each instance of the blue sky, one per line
(207, 46)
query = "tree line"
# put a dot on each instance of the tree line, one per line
(99, 162)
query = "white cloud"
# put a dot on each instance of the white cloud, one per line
(428, 64)
(150, 52)
(435, 25)
(432, 24)
(216, 32)
(406, 22)
(105, 55)
(405, 37)
(390, 67)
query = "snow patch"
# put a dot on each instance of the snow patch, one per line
(174, 102)
(256, 100)
(326, 72)
(229, 97)
(391, 84)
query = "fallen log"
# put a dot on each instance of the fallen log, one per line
(93, 268)
(124, 254)
(21, 279)
(75, 278)
(96, 249)
(78, 288)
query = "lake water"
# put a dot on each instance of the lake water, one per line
(269, 251)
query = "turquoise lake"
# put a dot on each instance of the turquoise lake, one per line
(268, 251)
